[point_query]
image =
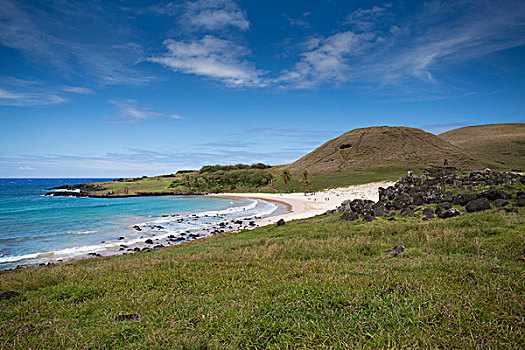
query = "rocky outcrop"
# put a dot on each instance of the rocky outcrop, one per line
(435, 188)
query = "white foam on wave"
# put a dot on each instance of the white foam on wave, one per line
(14, 258)
(81, 232)
(266, 208)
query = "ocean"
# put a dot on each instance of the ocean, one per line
(36, 228)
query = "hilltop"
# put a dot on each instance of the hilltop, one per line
(502, 144)
(383, 146)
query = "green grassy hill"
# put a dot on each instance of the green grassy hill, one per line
(315, 283)
(501, 144)
(383, 146)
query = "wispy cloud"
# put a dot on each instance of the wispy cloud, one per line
(387, 52)
(210, 57)
(78, 90)
(366, 19)
(214, 15)
(25, 168)
(301, 22)
(24, 98)
(128, 111)
(53, 35)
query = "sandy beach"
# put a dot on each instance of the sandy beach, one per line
(301, 206)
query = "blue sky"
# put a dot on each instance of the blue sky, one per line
(129, 88)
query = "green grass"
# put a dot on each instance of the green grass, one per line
(318, 181)
(316, 283)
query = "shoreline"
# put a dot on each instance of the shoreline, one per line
(290, 206)
(302, 206)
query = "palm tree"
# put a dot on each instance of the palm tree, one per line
(305, 181)
(272, 180)
(286, 178)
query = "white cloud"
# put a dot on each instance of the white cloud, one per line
(78, 90)
(299, 22)
(127, 111)
(327, 60)
(26, 168)
(210, 57)
(366, 19)
(214, 15)
(25, 98)
(391, 54)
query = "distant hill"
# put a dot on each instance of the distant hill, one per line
(383, 146)
(503, 144)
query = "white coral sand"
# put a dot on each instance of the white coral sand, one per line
(301, 206)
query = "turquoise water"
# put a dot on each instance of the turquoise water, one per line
(34, 228)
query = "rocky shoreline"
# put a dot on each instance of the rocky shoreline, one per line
(90, 190)
(150, 242)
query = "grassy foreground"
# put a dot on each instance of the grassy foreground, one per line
(316, 283)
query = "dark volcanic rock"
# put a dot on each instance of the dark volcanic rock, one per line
(349, 216)
(368, 218)
(477, 205)
(449, 213)
(493, 194)
(379, 209)
(136, 227)
(281, 222)
(428, 211)
(428, 217)
(127, 317)
(148, 241)
(443, 206)
(501, 202)
(396, 251)
(406, 211)
(8, 295)
(402, 201)
(462, 199)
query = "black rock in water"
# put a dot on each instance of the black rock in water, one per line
(148, 241)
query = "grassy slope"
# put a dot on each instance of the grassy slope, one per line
(318, 181)
(317, 283)
(502, 144)
(383, 146)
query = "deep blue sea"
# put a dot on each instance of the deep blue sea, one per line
(35, 228)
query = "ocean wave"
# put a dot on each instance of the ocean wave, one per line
(14, 258)
(263, 208)
(81, 232)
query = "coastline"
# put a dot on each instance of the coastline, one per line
(290, 206)
(301, 206)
